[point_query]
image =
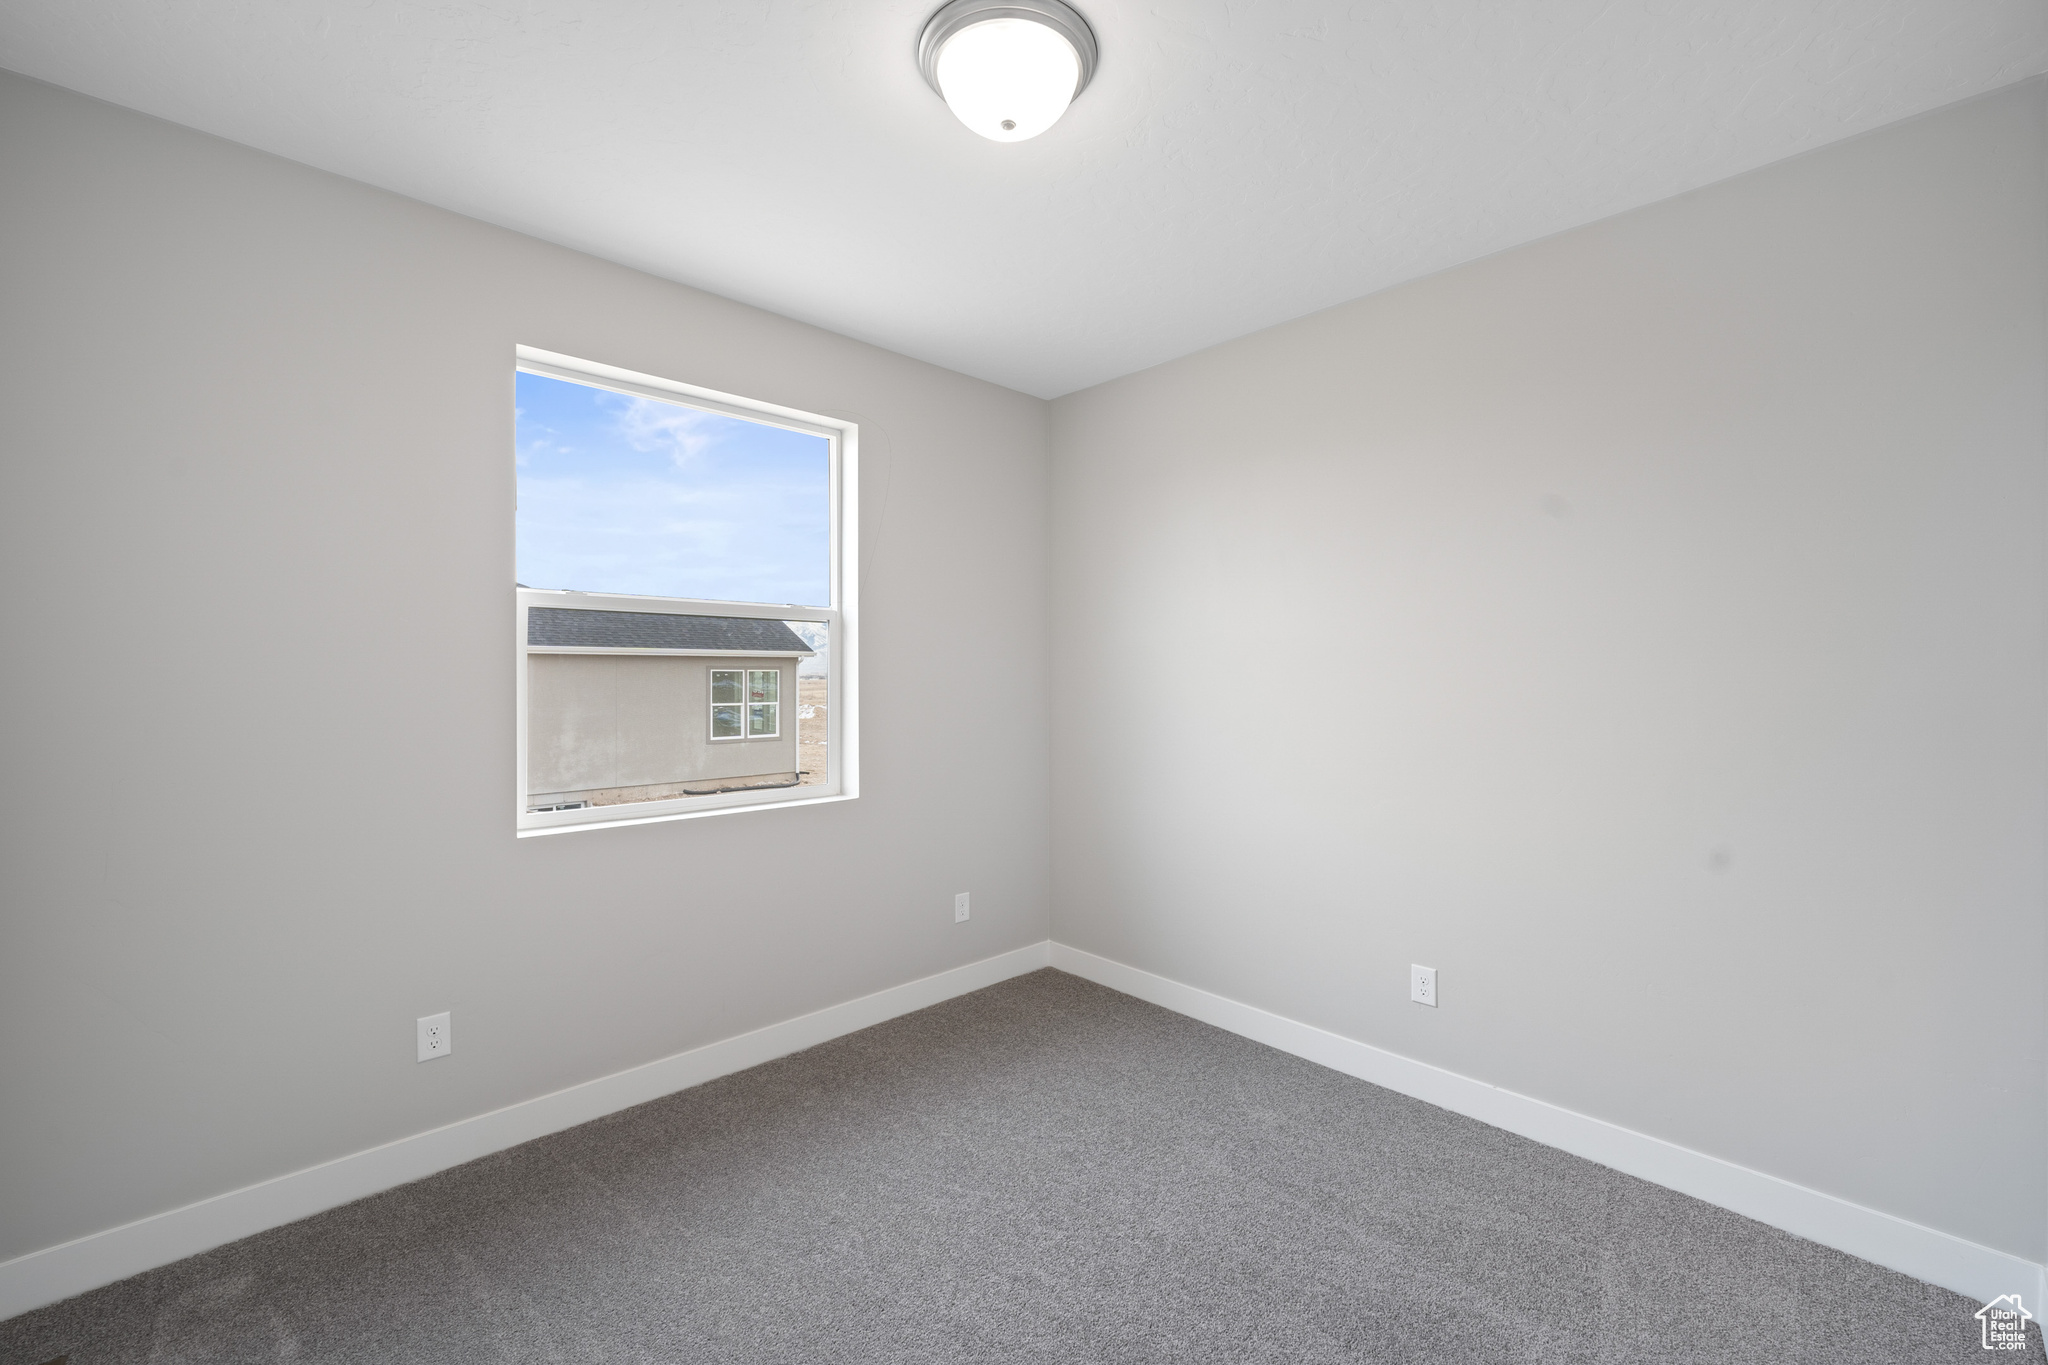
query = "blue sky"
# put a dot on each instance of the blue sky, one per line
(625, 494)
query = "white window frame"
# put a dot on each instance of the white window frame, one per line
(746, 706)
(842, 731)
(711, 735)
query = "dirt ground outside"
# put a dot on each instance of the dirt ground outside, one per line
(810, 730)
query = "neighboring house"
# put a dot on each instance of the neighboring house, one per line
(637, 706)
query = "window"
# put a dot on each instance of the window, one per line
(684, 570)
(726, 690)
(764, 703)
(746, 704)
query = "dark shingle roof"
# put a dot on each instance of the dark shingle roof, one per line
(659, 630)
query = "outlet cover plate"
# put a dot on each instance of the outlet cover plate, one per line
(436, 1035)
(960, 907)
(1422, 984)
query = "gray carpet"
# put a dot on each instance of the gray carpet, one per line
(1044, 1171)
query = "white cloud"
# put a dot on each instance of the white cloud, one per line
(680, 433)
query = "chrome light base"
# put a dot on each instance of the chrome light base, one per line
(1062, 18)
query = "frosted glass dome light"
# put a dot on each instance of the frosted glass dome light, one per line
(1008, 71)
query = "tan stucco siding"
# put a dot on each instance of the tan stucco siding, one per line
(597, 721)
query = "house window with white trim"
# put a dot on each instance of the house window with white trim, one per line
(683, 574)
(746, 703)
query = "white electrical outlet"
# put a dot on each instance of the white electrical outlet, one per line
(437, 1037)
(960, 907)
(1422, 984)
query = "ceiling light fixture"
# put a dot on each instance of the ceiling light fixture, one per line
(1007, 69)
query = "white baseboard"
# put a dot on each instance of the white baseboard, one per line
(58, 1272)
(1978, 1272)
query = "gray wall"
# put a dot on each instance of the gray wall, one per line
(1680, 579)
(256, 537)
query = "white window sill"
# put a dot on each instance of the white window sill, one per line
(732, 809)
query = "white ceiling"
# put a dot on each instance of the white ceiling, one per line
(1236, 162)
